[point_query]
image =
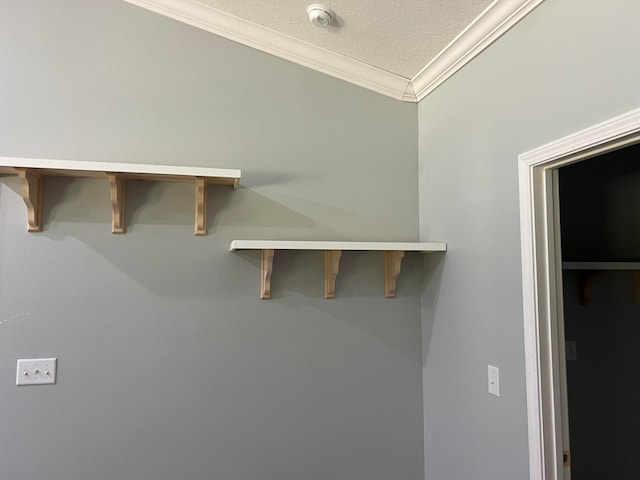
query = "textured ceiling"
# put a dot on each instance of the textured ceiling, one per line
(401, 48)
(399, 36)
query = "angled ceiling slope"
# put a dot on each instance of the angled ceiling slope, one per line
(496, 19)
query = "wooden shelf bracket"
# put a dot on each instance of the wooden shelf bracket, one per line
(201, 206)
(117, 189)
(586, 288)
(331, 268)
(586, 285)
(392, 266)
(589, 271)
(266, 269)
(636, 286)
(393, 254)
(32, 171)
(32, 195)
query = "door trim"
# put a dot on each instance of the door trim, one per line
(541, 272)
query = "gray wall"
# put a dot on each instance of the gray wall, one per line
(568, 65)
(170, 366)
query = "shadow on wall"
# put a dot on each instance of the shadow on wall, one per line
(362, 277)
(73, 200)
(298, 285)
(361, 274)
(433, 268)
(160, 257)
(3, 225)
(80, 209)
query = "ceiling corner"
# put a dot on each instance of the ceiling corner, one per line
(490, 25)
(409, 93)
(279, 44)
(493, 22)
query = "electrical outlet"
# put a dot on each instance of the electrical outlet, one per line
(493, 375)
(36, 371)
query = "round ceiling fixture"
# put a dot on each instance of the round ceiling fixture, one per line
(320, 15)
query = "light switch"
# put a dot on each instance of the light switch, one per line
(493, 375)
(36, 371)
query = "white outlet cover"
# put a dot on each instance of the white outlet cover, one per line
(493, 376)
(36, 371)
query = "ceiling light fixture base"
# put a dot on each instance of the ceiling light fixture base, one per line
(320, 15)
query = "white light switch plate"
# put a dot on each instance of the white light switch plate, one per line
(493, 375)
(36, 371)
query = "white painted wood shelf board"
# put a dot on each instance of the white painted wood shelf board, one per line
(32, 171)
(344, 246)
(393, 255)
(10, 166)
(601, 265)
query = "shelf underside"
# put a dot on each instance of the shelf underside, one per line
(590, 271)
(393, 255)
(32, 171)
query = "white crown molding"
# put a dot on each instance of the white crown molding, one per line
(270, 41)
(494, 21)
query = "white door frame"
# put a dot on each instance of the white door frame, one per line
(541, 277)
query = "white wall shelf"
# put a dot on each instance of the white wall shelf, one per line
(592, 270)
(32, 171)
(393, 254)
(601, 265)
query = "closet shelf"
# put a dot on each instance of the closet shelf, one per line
(592, 270)
(32, 171)
(393, 254)
(601, 265)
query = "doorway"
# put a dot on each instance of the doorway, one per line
(542, 285)
(600, 245)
